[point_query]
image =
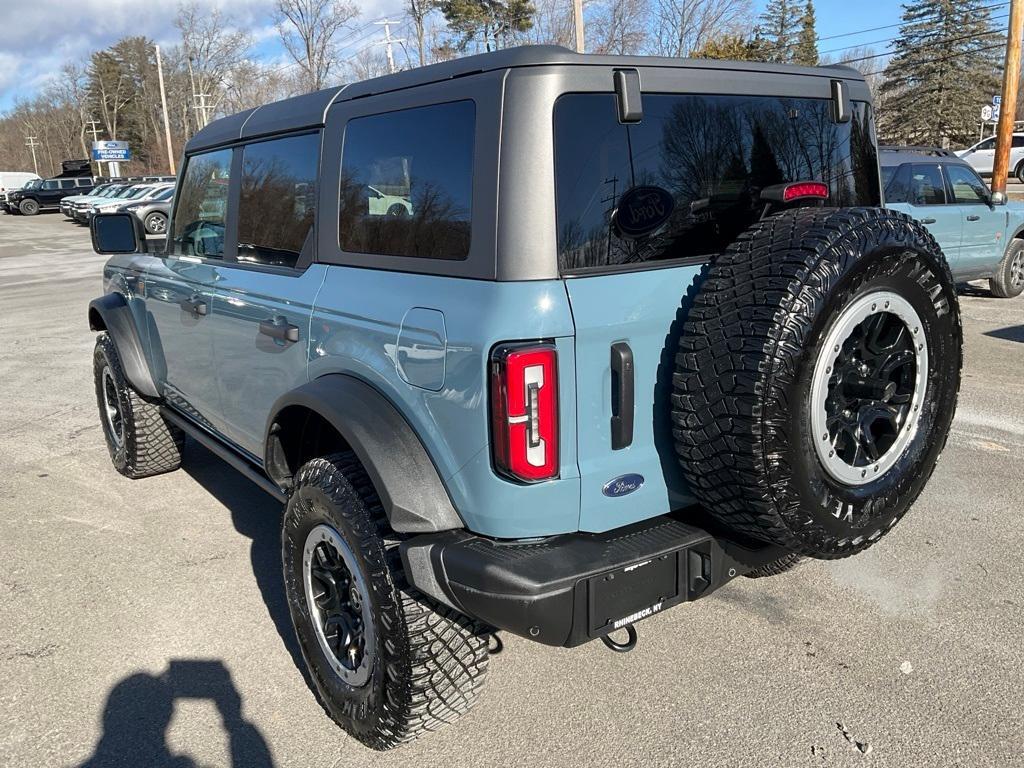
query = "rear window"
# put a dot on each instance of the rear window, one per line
(407, 182)
(698, 163)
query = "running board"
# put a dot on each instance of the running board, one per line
(216, 447)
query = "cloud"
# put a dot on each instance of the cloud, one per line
(39, 37)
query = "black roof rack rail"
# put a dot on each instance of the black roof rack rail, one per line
(923, 150)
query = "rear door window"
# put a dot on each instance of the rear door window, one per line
(199, 218)
(697, 164)
(407, 182)
(50, 184)
(277, 204)
(926, 185)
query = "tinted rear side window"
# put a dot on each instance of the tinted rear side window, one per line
(278, 199)
(707, 158)
(926, 185)
(407, 182)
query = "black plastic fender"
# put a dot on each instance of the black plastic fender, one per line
(112, 314)
(411, 491)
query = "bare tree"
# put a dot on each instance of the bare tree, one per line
(617, 26)
(212, 48)
(418, 10)
(682, 26)
(307, 29)
(366, 63)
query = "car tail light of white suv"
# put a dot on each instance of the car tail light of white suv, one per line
(524, 411)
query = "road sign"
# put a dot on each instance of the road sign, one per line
(111, 151)
(997, 100)
(986, 113)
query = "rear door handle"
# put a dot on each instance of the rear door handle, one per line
(622, 395)
(194, 306)
(927, 221)
(279, 328)
(973, 217)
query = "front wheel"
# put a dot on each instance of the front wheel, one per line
(1008, 280)
(28, 207)
(387, 663)
(140, 441)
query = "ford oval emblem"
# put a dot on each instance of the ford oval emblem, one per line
(622, 485)
(642, 210)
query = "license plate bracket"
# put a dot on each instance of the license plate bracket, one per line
(633, 592)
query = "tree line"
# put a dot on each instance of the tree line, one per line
(944, 63)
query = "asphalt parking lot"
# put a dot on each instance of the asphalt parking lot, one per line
(143, 623)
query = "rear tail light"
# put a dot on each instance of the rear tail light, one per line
(524, 411)
(797, 190)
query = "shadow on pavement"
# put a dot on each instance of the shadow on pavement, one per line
(139, 709)
(1010, 333)
(257, 516)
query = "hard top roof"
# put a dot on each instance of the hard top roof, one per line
(309, 110)
(893, 156)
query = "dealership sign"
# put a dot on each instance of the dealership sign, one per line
(111, 151)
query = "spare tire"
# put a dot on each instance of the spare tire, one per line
(817, 376)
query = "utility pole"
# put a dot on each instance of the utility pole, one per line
(31, 143)
(388, 41)
(163, 106)
(95, 137)
(577, 22)
(1008, 106)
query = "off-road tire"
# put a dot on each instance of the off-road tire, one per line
(430, 660)
(149, 444)
(1008, 280)
(784, 564)
(741, 401)
(28, 207)
(156, 223)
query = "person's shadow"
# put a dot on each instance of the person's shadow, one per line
(139, 709)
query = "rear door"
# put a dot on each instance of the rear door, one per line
(919, 190)
(265, 290)
(640, 209)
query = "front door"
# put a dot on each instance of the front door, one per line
(265, 295)
(982, 244)
(179, 291)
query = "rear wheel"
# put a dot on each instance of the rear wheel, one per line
(817, 377)
(28, 207)
(1008, 280)
(156, 223)
(387, 662)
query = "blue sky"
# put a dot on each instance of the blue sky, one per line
(39, 36)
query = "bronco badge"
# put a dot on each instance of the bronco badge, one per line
(622, 485)
(642, 210)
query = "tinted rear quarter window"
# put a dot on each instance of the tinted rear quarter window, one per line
(708, 156)
(277, 203)
(407, 182)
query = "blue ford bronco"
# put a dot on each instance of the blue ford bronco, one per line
(537, 342)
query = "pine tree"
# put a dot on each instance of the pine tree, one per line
(806, 50)
(778, 29)
(944, 70)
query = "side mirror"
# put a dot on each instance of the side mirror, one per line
(114, 233)
(998, 198)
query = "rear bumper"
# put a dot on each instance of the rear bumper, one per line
(569, 589)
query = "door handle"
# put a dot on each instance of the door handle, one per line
(973, 217)
(279, 328)
(622, 395)
(194, 306)
(928, 221)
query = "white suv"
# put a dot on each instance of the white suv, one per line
(982, 156)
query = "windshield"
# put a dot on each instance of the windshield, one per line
(125, 192)
(34, 184)
(166, 194)
(140, 193)
(691, 173)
